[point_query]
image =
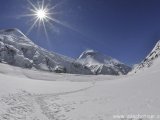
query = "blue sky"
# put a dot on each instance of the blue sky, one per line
(124, 29)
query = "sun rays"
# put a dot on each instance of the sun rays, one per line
(42, 14)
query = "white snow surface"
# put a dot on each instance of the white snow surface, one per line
(36, 95)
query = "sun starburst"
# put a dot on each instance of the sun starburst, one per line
(42, 14)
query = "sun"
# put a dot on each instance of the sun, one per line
(41, 14)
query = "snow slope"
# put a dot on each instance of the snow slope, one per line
(102, 64)
(149, 60)
(18, 50)
(24, 96)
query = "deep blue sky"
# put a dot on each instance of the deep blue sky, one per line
(124, 29)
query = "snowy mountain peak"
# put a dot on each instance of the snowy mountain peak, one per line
(88, 53)
(157, 45)
(13, 31)
(16, 36)
(95, 56)
(149, 60)
(102, 64)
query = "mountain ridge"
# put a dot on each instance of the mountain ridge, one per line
(149, 60)
(18, 50)
(102, 64)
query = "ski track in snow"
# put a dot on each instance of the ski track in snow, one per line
(25, 106)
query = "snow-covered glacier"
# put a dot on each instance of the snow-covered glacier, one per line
(27, 94)
(37, 95)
